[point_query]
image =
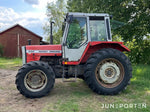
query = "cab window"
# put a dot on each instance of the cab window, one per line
(98, 29)
(77, 33)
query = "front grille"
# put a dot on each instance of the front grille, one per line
(23, 55)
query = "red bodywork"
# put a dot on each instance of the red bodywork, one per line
(33, 51)
(91, 48)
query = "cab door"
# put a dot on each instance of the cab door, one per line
(76, 39)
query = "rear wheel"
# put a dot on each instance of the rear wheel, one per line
(108, 71)
(35, 79)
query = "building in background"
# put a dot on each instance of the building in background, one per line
(13, 38)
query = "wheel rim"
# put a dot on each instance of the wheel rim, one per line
(109, 73)
(35, 80)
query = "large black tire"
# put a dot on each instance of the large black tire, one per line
(35, 79)
(108, 71)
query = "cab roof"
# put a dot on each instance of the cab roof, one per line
(88, 14)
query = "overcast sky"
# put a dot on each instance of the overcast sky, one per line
(31, 14)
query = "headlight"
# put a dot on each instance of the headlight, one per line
(23, 54)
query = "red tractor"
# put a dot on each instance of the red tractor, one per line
(87, 51)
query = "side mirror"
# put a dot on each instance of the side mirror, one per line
(111, 16)
(69, 18)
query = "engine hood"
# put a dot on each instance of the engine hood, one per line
(44, 50)
(43, 47)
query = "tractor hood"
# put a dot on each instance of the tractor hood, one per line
(50, 50)
(35, 52)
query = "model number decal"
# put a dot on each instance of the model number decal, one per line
(43, 51)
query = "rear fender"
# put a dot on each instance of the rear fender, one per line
(95, 46)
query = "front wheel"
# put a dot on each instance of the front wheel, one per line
(35, 79)
(108, 71)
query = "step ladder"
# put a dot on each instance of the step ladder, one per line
(65, 73)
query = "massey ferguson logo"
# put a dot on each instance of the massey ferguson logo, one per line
(43, 51)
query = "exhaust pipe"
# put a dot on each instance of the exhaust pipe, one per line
(51, 32)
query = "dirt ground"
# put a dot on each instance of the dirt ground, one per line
(12, 101)
(66, 97)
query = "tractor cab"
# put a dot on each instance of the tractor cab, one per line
(82, 28)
